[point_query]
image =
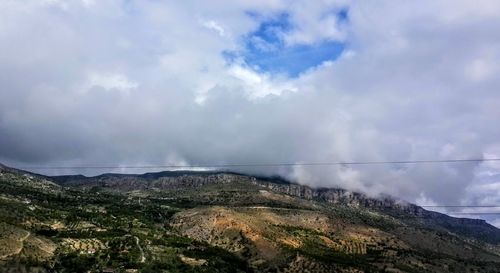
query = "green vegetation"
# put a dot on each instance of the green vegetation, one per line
(225, 223)
(98, 231)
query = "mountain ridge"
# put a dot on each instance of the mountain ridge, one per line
(277, 183)
(225, 222)
(332, 195)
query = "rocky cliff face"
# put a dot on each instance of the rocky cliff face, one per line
(171, 180)
(476, 228)
(334, 196)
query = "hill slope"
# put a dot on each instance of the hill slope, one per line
(225, 222)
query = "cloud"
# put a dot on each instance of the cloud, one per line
(314, 23)
(259, 85)
(414, 81)
(110, 82)
(213, 25)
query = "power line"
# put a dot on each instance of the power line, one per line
(303, 164)
(465, 206)
(458, 206)
(473, 213)
(267, 164)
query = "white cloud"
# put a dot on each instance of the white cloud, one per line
(259, 85)
(480, 69)
(213, 25)
(63, 4)
(88, 3)
(111, 82)
(315, 23)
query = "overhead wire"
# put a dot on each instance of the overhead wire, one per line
(341, 163)
(282, 164)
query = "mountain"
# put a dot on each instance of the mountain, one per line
(184, 221)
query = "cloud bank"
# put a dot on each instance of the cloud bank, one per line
(149, 82)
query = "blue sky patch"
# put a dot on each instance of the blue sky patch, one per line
(265, 48)
(343, 15)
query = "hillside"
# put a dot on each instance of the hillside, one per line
(225, 222)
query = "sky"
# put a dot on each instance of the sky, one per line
(129, 83)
